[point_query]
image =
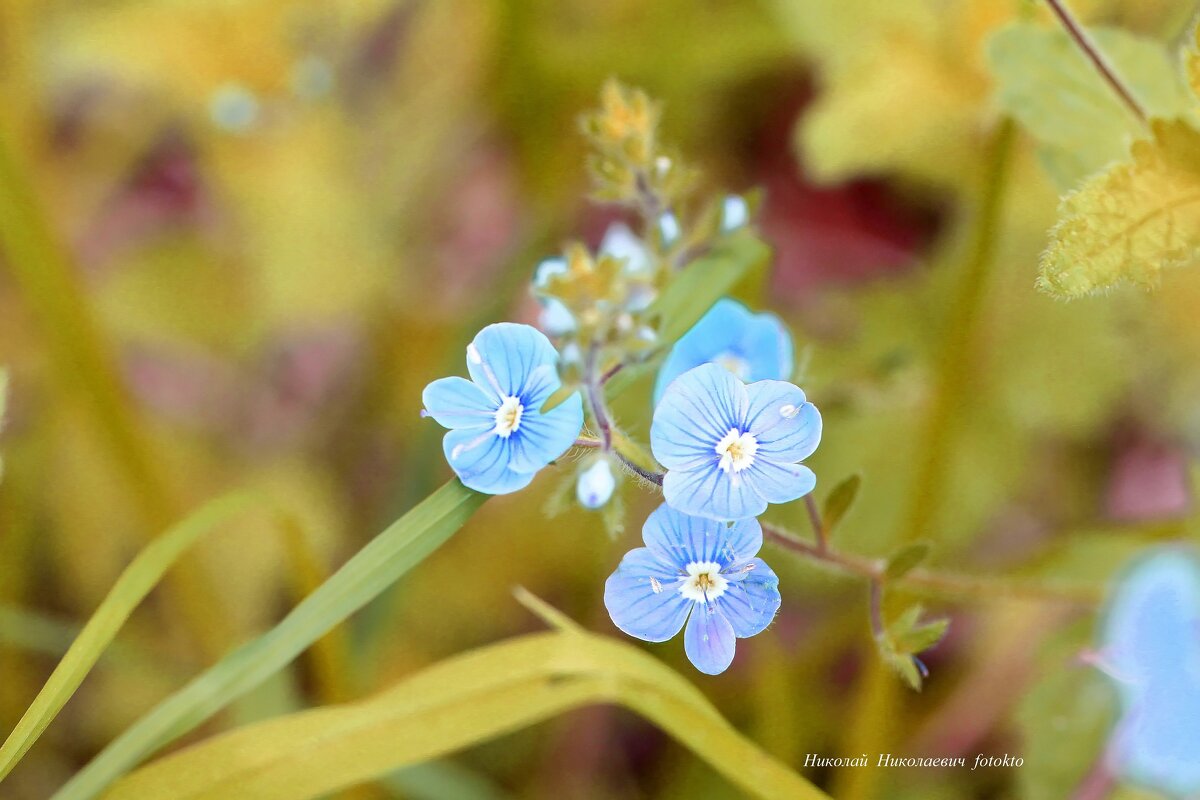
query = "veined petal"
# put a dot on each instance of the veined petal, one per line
(709, 492)
(768, 348)
(642, 597)
(780, 483)
(751, 603)
(709, 640)
(541, 438)
(481, 461)
(698, 408)
(719, 330)
(504, 355)
(458, 403)
(787, 427)
(679, 539)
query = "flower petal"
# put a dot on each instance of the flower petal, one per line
(780, 483)
(709, 492)
(768, 348)
(709, 640)
(679, 539)
(481, 461)
(718, 331)
(787, 427)
(541, 438)
(458, 403)
(504, 355)
(698, 408)
(636, 606)
(751, 603)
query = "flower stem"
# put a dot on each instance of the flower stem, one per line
(818, 524)
(595, 396)
(1102, 64)
(946, 585)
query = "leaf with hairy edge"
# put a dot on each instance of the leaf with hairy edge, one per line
(1050, 87)
(142, 575)
(461, 701)
(1130, 222)
(381, 563)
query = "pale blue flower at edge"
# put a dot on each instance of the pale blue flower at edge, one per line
(697, 571)
(1152, 649)
(754, 347)
(499, 438)
(732, 449)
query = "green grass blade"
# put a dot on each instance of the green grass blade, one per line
(142, 575)
(384, 560)
(459, 702)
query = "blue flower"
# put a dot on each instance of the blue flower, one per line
(730, 449)
(699, 571)
(498, 436)
(755, 347)
(1152, 645)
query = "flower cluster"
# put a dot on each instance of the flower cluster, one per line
(727, 429)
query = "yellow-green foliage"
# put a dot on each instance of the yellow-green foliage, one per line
(1131, 221)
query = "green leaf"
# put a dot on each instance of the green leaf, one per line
(906, 668)
(135, 582)
(693, 291)
(1130, 222)
(922, 637)
(906, 559)
(1048, 85)
(466, 699)
(375, 567)
(839, 502)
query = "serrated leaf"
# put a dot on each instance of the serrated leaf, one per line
(1130, 222)
(839, 502)
(922, 637)
(466, 699)
(906, 559)
(906, 668)
(1047, 84)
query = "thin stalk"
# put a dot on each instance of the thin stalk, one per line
(946, 585)
(956, 362)
(595, 396)
(1099, 61)
(818, 524)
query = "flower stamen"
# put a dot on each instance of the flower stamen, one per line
(704, 582)
(736, 451)
(508, 417)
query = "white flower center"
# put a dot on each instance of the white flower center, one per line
(736, 450)
(508, 417)
(704, 582)
(735, 364)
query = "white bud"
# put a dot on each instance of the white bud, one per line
(595, 485)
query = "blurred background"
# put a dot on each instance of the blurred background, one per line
(240, 237)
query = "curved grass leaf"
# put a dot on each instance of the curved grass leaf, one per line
(142, 575)
(387, 557)
(458, 702)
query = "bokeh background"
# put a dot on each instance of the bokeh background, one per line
(240, 237)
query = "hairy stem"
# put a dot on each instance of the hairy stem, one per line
(1099, 61)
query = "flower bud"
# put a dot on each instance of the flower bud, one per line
(595, 485)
